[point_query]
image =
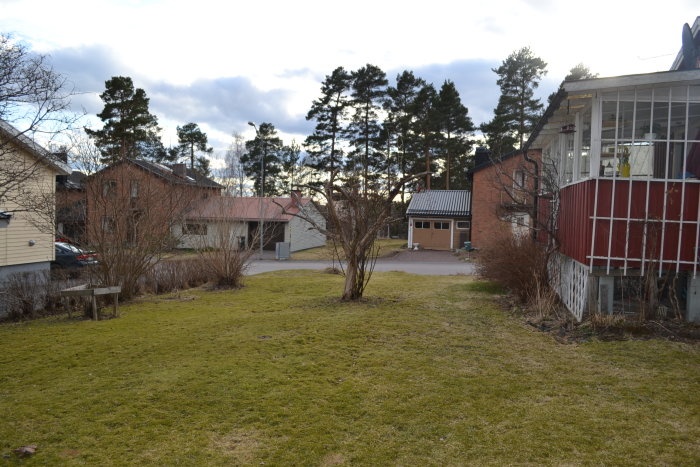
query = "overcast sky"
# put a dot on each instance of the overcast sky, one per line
(223, 63)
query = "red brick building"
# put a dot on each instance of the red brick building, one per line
(133, 198)
(502, 194)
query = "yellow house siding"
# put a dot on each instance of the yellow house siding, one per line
(15, 238)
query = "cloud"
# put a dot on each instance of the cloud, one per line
(87, 68)
(225, 104)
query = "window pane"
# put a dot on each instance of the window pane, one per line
(659, 129)
(585, 164)
(624, 120)
(642, 120)
(609, 117)
(694, 121)
(678, 120)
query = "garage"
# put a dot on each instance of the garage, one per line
(439, 219)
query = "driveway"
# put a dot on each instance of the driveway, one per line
(438, 263)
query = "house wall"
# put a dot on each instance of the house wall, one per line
(301, 234)
(654, 220)
(156, 208)
(216, 232)
(490, 200)
(16, 252)
(438, 239)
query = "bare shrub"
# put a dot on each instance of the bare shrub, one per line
(517, 263)
(545, 303)
(29, 295)
(168, 276)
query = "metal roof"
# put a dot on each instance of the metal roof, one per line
(440, 203)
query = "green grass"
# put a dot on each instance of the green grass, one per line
(426, 371)
(387, 247)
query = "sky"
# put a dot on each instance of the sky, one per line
(221, 64)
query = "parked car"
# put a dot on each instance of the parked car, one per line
(70, 256)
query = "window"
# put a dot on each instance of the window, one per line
(464, 225)
(134, 189)
(519, 179)
(441, 225)
(194, 229)
(108, 224)
(421, 225)
(650, 133)
(109, 188)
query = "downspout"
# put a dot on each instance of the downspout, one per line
(535, 197)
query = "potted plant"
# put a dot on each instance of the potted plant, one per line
(624, 156)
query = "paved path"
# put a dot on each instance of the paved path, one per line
(439, 263)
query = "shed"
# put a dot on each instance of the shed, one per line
(439, 219)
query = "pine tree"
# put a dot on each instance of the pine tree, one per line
(399, 107)
(266, 145)
(578, 72)
(129, 129)
(368, 95)
(425, 129)
(455, 125)
(191, 140)
(517, 110)
(329, 112)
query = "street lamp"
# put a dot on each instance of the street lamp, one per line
(262, 187)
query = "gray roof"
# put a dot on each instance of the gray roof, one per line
(440, 203)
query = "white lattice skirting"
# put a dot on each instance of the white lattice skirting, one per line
(569, 279)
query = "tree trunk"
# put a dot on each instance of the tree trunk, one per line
(352, 288)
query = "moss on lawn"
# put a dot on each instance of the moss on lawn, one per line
(426, 370)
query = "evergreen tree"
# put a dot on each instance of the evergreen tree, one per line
(578, 72)
(202, 165)
(268, 146)
(425, 129)
(456, 126)
(329, 112)
(517, 110)
(191, 140)
(295, 170)
(368, 95)
(129, 130)
(399, 107)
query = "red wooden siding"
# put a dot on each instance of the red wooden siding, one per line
(630, 221)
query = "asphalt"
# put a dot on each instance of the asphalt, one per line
(427, 262)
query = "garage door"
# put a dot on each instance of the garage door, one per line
(432, 234)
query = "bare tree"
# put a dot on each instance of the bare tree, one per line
(34, 104)
(222, 245)
(354, 216)
(234, 178)
(129, 222)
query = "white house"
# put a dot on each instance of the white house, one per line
(26, 205)
(239, 217)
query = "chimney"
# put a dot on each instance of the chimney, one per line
(61, 156)
(180, 169)
(481, 156)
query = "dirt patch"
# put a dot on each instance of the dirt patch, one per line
(333, 459)
(179, 298)
(240, 445)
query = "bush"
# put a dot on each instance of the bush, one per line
(28, 295)
(168, 276)
(517, 263)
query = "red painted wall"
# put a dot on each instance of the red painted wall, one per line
(667, 241)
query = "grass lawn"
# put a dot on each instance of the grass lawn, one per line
(387, 247)
(280, 372)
